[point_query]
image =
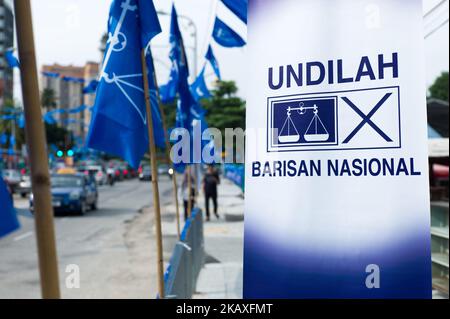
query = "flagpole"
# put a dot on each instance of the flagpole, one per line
(189, 185)
(166, 137)
(156, 203)
(40, 177)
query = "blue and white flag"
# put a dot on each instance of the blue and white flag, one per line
(12, 61)
(8, 217)
(119, 119)
(91, 87)
(238, 7)
(212, 59)
(225, 36)
(199, 90)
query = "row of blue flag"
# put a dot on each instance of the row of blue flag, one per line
(119, 119)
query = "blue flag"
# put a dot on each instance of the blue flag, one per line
(179, 63)
(77, 109)
(238, 7)
(199, 90)
(3, 139)
(119, 119)
(72, 79)
(21, 122)
(48, 118)
(225, 36)
(8, 217)
(168, 91)
(212, 59)
(51, 74)
(12, 61)
(91, 87)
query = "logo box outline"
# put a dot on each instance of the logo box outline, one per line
(314, 147)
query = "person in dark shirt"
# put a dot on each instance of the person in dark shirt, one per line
(210, 182)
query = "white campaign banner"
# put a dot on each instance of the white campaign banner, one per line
(337, 199)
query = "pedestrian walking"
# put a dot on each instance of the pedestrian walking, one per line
(188, 195)
(210, 182)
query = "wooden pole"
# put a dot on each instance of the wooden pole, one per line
(189, 185)
(156, 203)
(36, 142)
(166, 137)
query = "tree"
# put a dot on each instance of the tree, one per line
(48, 99)
(439, 89)
(225, 109)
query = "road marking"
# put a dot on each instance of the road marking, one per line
(23, 236)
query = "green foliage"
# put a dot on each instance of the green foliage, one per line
(57, 135)
(439, 89)
(48, 99)
(225, 109)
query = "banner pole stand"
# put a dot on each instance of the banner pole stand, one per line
(36, 142)
(166, 137)
(156, 203)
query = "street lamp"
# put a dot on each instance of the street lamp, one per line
(191, 23)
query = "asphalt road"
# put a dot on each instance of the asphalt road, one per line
(97, 243)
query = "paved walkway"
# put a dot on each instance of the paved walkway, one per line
(221, 277)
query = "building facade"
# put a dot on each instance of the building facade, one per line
(67, 84)
(6, 42)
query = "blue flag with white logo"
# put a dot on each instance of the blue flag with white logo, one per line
(199, 90)
(212, 59)
(119, 119)
(225, 36)
(12, 61)
(238, 7)
(8, 217)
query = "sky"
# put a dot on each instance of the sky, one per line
(69, 32)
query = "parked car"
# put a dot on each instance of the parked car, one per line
(146, 173)
(12, 179)
(24, 187)
(72, 193)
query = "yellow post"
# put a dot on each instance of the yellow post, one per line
(36, 142)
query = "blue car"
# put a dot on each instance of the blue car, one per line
(72, 193)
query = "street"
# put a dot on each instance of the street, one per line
(110, 247)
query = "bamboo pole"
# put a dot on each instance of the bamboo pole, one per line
(156, 203)
(36, 142)
(189, 185)
(166, 137)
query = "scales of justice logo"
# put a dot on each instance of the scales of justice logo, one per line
(303, 122)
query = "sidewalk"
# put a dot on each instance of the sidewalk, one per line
(221, 277)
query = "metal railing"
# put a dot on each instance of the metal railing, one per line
(187, 260)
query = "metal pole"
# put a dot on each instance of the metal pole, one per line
(36, 141)
(166, 137)
(156, 203)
